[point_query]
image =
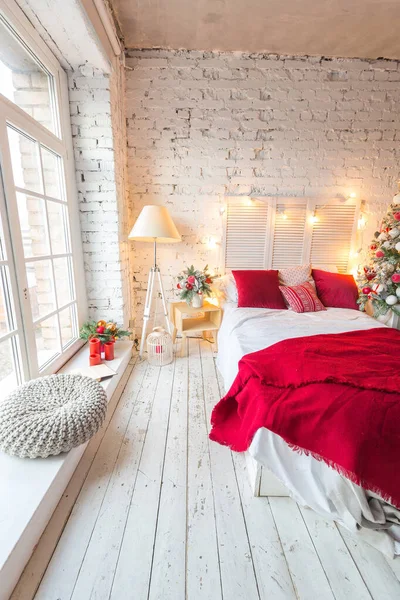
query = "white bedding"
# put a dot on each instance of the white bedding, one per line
(310, 482)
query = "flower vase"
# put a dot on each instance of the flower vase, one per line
(197, 300)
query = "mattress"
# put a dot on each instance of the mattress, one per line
(310, 482)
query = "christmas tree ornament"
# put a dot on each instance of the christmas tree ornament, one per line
(398, 292)
(373, 247)
(386, 244)
(394, 232)
(366, 290)
(397, 246)
(379, 254)
(391, 300)
(382, 237)
(397, 216)
(396, 199)
(396, 278)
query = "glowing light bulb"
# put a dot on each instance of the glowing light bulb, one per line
(313, 218)
(353, 195)
(249, 202)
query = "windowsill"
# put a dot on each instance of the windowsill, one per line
(31, 488)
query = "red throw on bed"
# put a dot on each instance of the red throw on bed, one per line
(334, 396)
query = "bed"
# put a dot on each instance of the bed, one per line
(274, 468)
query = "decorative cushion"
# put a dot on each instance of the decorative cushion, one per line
(302, 298)
(50, 415)
(295, 275)
(258, 289)
(336, 289)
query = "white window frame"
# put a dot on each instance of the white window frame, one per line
(11, 113)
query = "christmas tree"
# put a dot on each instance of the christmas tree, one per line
(380, 281)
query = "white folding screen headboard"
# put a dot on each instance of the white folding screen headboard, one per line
(277, 232)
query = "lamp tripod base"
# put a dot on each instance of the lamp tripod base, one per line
(153, 274)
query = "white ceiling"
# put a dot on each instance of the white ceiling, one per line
(348, 28)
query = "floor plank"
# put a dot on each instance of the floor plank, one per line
(236, 564)
(136, 551)
(308, 575)
(203, 574)
(273, 576)
(168, 579)
(374, 569)
(343, 575)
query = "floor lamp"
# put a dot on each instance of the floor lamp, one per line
(154, 224)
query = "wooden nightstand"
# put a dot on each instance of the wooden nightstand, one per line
(186, 320)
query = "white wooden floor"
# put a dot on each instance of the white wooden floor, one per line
(166, 514)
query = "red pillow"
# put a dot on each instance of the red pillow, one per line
(335, 289)
(258, 289)
(302, 298)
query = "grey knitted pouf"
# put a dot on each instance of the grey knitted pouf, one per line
(50, 415)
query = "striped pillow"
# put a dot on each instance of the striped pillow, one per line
(302, 298)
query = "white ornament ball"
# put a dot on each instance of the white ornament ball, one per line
(391, 300)
(397, 246)
(398, 292)
(386, 244)
(396, 199)
(394, 232)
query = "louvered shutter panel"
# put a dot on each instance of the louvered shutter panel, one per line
(332, 233)
(246, 230)
(288, 241)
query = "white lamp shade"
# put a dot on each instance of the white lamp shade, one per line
(155, 223)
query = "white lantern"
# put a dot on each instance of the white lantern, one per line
(159, 347)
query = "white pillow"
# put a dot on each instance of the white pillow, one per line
(225, 289)
(329, 268)
(295, 275)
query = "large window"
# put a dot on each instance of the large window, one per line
(42, 296)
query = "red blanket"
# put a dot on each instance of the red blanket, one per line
(334, 396)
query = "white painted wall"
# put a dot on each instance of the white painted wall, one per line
(205, 125)
(99, 135)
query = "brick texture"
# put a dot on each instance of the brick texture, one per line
(99, 139)
(201, 126)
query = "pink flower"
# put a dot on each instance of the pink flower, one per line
(396, 278)
(191, 279)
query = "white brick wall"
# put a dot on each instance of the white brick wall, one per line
(98, 130)
(205, 125)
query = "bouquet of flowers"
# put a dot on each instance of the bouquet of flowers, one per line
(193, 282)
(102, 330)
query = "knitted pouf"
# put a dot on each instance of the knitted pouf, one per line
(50, 415)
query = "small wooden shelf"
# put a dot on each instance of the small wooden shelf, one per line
(187, 319)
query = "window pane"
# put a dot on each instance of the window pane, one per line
(8, 374)
(25, 161)
(24, 81)
(58, 227)
(32, 218)
(62, 274)
(41, 288)
(68, 325)
(52, 173)
(47, 340)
